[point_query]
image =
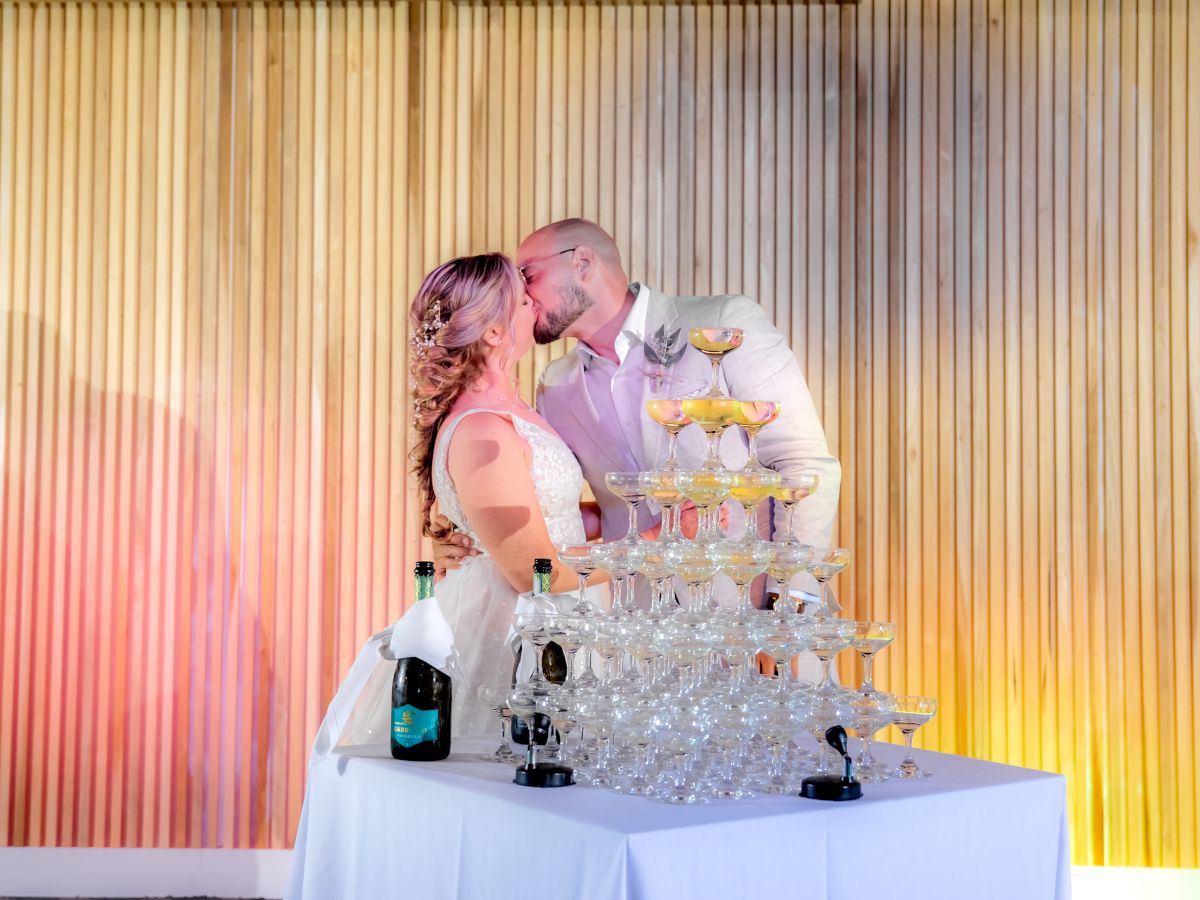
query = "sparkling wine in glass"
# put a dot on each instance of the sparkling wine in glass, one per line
(742, 562)
(670, 415)
(826, 563)
(715, 343)
(911, 713)
(713, 415)
(707, 488)
(786, 562)
(752, 416)
(789, 493)
(750, 489)
(869, 639)
(662, 486)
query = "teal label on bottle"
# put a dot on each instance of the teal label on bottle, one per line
(412, 726)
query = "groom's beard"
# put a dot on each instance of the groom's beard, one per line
(574, 304)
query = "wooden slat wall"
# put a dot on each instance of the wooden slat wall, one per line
(977, 222)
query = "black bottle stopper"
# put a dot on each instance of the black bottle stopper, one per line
(834, 787)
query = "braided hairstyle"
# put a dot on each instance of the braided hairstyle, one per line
(453, 309)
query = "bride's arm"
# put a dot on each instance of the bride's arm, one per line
(490, 465)
(589, 511)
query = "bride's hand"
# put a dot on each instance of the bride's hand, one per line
(449, 552)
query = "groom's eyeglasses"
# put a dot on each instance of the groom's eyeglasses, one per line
(525, 268)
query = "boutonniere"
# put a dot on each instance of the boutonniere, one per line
(660, 350)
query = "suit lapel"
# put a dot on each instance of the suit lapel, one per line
(575, 398)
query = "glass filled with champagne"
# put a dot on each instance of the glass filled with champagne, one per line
(713, 415)
(750, 489)
(670, 415)
(752, 416)
(715, 343)
(789, 492)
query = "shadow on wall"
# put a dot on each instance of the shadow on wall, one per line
(131, 616)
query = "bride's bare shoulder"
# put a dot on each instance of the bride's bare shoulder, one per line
(482, 440)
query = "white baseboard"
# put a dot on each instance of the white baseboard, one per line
(105, 872)
(120, 872)
(1121, 883)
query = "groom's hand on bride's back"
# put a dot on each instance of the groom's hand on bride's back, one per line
(450, 551)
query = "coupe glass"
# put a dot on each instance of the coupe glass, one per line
(778, 724)
(910, 714)
(750, 489)
(713, 415)
(789, 635)
(752, 416)
(662, 486)
(670, 415)
(791, 491)
(786, 561)
(533, 628)
(829, 638)
(869, 639)
(522, 701)
(715, 343)
(582, 559)
(871, 713)
(495, 698)
(654, 567)
(742, 562)
(621, 561)
(628, 486)
(826, 563)
(566, 631)
(694, 563)
(708, 490)
(561, 713)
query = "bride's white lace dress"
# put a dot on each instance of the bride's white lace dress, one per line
(476, 599)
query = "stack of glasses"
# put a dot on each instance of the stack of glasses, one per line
(670, 703)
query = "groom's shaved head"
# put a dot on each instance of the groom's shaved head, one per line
(576, 233)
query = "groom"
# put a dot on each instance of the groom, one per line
(632, 347)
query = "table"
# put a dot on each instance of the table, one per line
(375, 827)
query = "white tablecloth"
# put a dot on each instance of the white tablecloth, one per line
(373, 827)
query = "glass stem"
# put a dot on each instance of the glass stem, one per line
(865, 759)
(672, 440)
(632, 534)
(752, 446)
(868, 684)
(744, 597)
(908, 750)
(713, 388)
(788, 533)
(712, 459)
(672, 519)
(826, 662)
(583, 580)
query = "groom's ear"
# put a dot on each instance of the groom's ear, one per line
(585, 262)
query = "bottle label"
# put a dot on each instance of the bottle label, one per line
(411, 726)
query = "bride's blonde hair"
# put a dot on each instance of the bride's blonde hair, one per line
(453, 309)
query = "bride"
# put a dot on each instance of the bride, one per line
(496, 470)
